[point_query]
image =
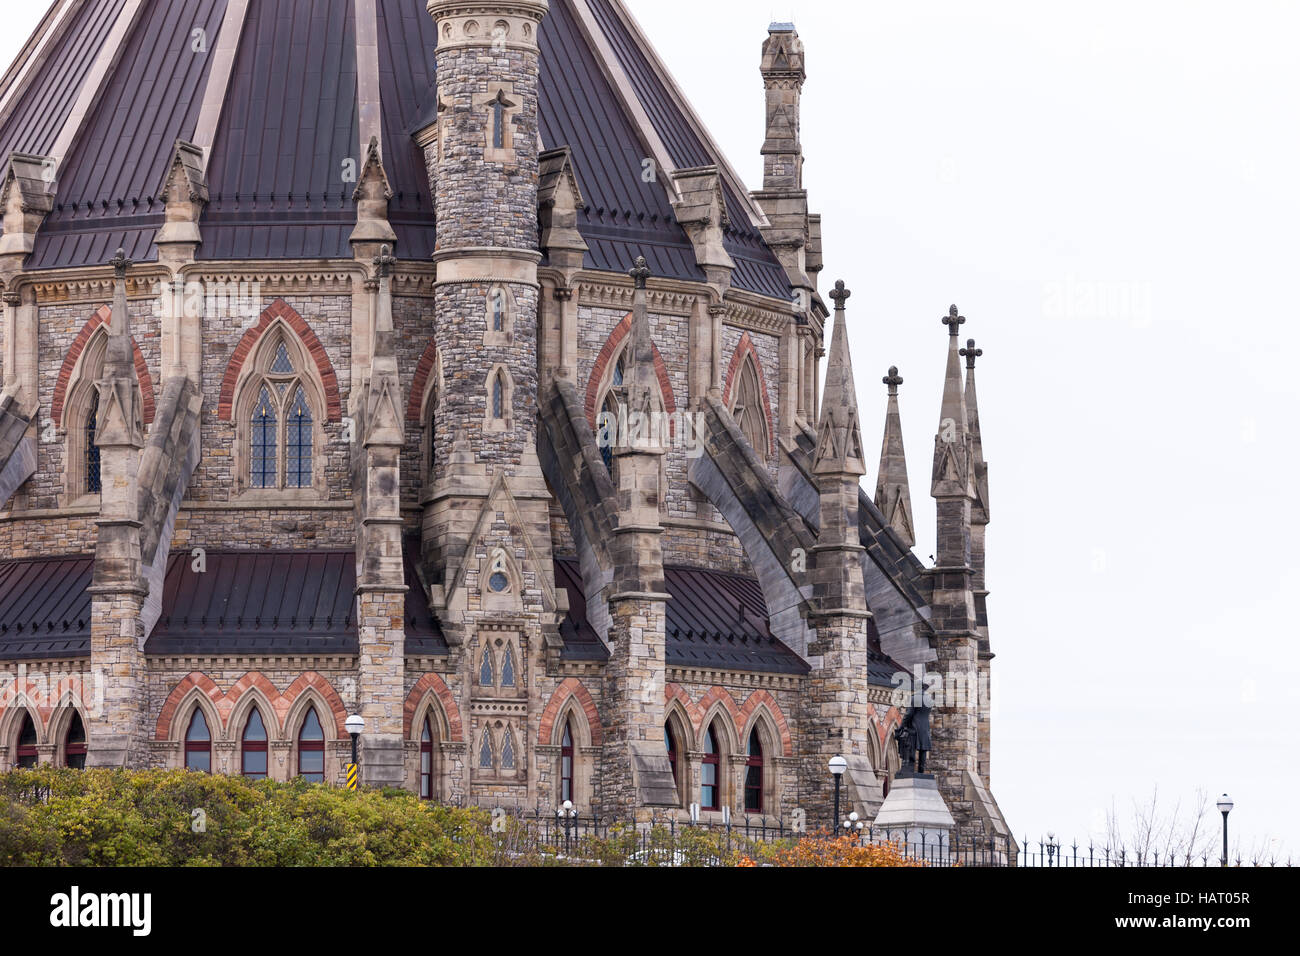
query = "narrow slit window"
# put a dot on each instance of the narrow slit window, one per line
(311, 748)
(426, 762)
(486, 677)
(498, 397)
(94, 481)
(508, 668)
(485, 752)
(508, 751)
(26, 744)
(74, 744)
(254, 752)
(298, 443)
(198, 744)
(264, 441)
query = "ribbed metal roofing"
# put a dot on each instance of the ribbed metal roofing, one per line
(290, 120)
(44, 608)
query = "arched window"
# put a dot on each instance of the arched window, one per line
(498, 396)
(198, 744)
(710, 783)
(670, 744)
(26, 744)
(508, 751)
(253, 747)
(607, 430)
(508, 668)
(754, 774)
(748, 408)
(566, 763)
(485, 755)
(497, 302)
(486, 675)
(311, 748)
(93, 480)
(280, 415)
(426, 761)
(74, 743)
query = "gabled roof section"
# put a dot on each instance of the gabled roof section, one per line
(109, 182)
(44, 608)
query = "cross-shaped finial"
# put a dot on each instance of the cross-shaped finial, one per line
(893, 380)
(840, 295)
(953, 320)
(120, 264)
(384, 262)
(640, 272)
(971, 353)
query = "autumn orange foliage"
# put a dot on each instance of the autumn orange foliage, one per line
(826, 851)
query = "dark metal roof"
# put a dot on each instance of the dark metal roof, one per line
(290, 119)
(108, 184)
(715, 620)
(44, 607)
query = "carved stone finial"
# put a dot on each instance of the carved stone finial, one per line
(953, 321)
(893, 380)
(384, 262)
(840, 295)
(640, 272)
(120, 264)
(971, 353)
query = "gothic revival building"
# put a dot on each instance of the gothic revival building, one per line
(433, 365)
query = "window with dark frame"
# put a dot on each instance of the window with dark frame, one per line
(754, 774)
(198, 744)
(426, 761)
(74, 743)
(94, 482)
(710, 791)
(311, 748)
(566, 763)
(253, 750)
(670, 744)
(26, 755)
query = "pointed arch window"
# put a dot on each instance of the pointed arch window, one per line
(74, 743)
(670, 744)
(485, 756)
(311, 748)
(426, 761)
(607, 430)
(508, 751)
(754, 774)
(498, 396)
(498, 304)
(508, 667)
(748, 408)
(280, 422)
(566, 762)
(198, 744)
(710, 783)
(253, 762)
(26, 755)
(486, 672)
(93, 480)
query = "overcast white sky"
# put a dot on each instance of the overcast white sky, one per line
(1108, 190)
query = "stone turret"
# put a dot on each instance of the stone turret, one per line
(635, 770)
(955, 726)
(118, 590)
(893, 496)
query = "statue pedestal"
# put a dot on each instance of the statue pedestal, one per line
(915, 816)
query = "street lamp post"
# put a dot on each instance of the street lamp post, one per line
(354, 725)
(566, 813)
(853, 826)
(838, 765)
(1225, 807)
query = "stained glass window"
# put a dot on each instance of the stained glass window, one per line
(254, 747)
(508, 668)
(485, 674)
(264, 441)
(508, 751)
(311, 749)
(485, 752)
(298, 444)
(93, 479)
(282, 364)
(198, 744)
(74, 744)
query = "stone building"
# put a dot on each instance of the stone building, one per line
(433, 365)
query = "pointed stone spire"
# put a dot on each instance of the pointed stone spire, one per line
(893, 495)
(839, 437)
(980, 509)
(951, 475)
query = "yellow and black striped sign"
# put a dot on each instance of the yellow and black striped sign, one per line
(352, 776)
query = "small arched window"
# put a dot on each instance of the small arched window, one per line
(74, 743)
(748, 408)
(426, 761)
(253, 747)
(607, 430)
(279, 418)
(498, 396)
(485, 755)
(566, 763)
(710, 787)
(508, 668)
(508, 751)
(26, 744)
(670, 744)
(198, 744)
(93, 480)
(311, 748)
(498, 305)
(486, 674)
(754, 774)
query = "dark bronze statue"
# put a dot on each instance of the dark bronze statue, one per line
(913, 737)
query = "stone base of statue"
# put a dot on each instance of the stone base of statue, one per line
(915, 817)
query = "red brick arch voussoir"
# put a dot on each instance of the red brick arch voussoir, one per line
(607, 353)
(432, 682)
(103, 316)
(569, 687)
(279, 309)
(421, 381)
